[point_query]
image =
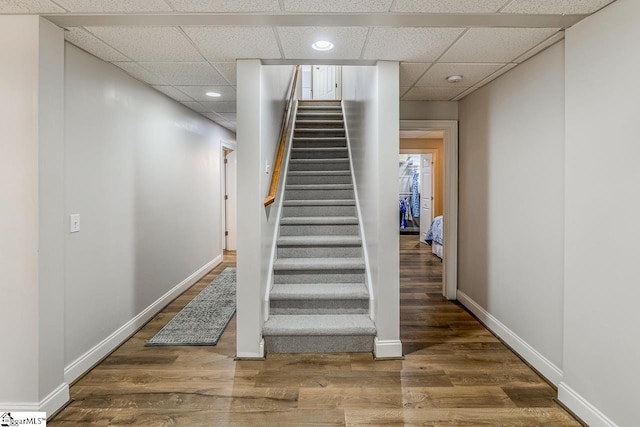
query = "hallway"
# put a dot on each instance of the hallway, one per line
(455, 373)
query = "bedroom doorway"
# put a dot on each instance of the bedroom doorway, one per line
(440, 139)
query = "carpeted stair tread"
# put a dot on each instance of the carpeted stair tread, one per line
(319, 121)
(319, 138)
(333, 160)
(319, 324)
(319, 220)
(319, 186)
(346, 172)
(319, 149)
(319, 291)
(329, 202)
(319, 241)
(300, 264)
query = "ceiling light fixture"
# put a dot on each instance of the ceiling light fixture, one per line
(322, 45)
(456, 78)
(213, 94)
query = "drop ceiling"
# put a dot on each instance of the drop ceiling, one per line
(185, 48)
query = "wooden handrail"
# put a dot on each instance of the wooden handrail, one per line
(284, 131)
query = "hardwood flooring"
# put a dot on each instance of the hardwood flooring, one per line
(455, 373)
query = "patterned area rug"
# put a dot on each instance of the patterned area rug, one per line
(204, 319)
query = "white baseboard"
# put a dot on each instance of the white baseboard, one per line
(582, 408)
(50, 404)
(250, 355)
(387, 349)
(520, 346)
(78, 367)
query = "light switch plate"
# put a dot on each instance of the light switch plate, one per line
(74, 223)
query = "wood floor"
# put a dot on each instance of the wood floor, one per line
(455, 373)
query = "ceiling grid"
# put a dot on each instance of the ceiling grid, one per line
(185, 48)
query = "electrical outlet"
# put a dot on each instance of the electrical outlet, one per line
(74, 223)
(267, 167)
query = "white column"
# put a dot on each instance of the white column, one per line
(250, 208)
(388, 293)
(31, 219)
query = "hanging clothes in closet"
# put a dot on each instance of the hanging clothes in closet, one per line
(415, 196)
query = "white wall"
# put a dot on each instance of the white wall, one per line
(511, 239)
(262, 92)
(370, 99)
(428, 110)
(144, 174)
(31, 275)
(601, 347)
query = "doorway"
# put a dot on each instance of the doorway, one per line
(448, 129)
(229, 197)
(321, 82)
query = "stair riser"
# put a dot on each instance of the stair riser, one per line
(319, 154)
(300, 211)
(311, 103)
(313, 133)
(319, 142)
(316, 115)
(319, 344)
(319, 306)
(318, 179)
(319, 230)
(334, 276)
(318, 194)
(320, 123)
(320, 252)
(319, 166)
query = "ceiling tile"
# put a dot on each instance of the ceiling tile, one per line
(335, 6)
(226, 44)
(198, 93)
(410, 72)
(229, 6)
(140, 73)
(227, 69)
(432, 93)
(555, 7)
(410, 44)
(213, 116)
(495, 44)
(232, 117)
(219, 106)
(29, 6)
(185, 73)
(495, 75)
(114, 6)
(195, 106)
(542, 46)
(471, 73)
(449, 6)
(174, 93)
(403, 90)
(93, 45)
(148, 43)
(297, 41)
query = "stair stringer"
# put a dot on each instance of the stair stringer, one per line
(279, 202)
(365, 252)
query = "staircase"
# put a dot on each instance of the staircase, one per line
(319, 301)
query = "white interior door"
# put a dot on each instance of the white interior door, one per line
(324, 82)
(426, 194)
(231, 201)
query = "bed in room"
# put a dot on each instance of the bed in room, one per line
(434, 237)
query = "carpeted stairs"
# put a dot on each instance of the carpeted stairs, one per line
(319, 301)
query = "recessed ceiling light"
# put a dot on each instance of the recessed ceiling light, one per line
(322, 45)
(454, 79)
(213, 94)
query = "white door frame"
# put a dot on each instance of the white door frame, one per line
(450, 206)
(233, 146)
